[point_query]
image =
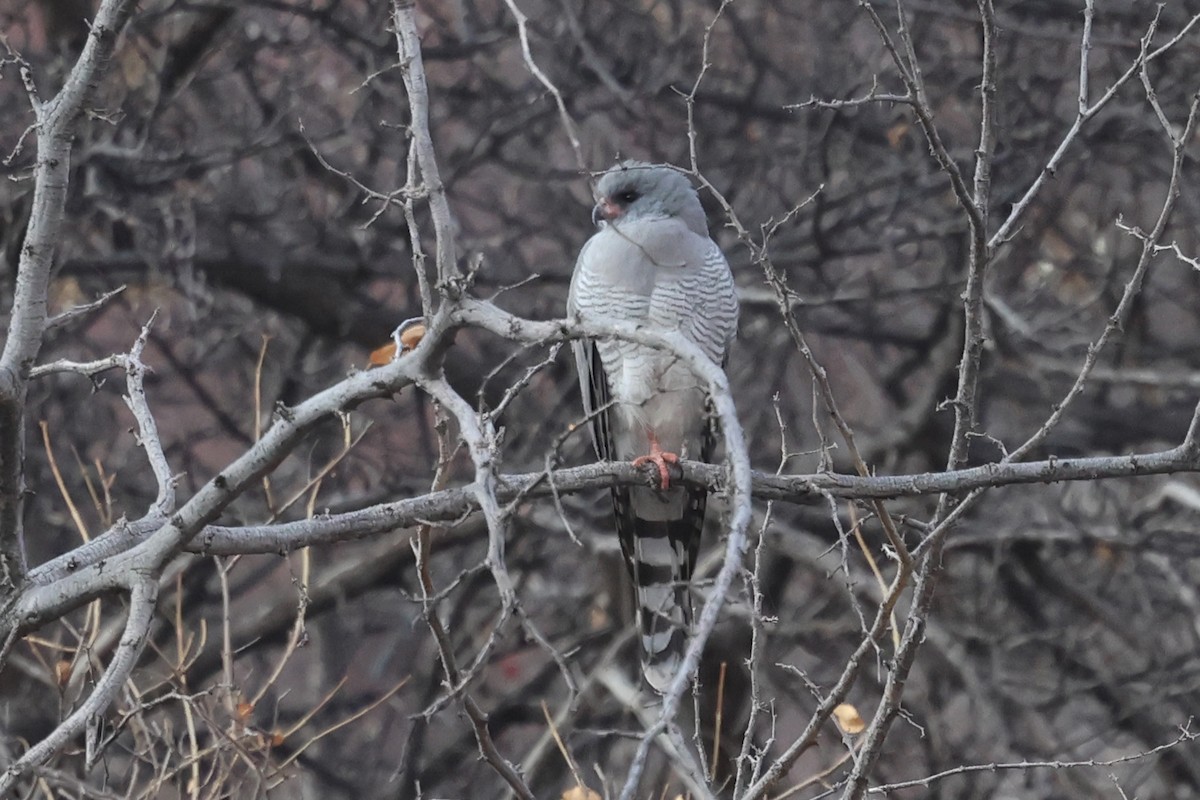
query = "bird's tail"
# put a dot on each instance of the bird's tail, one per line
(661, 555)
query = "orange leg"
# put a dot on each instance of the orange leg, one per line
(660, 458)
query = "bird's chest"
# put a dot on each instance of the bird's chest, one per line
(639, 373)
(654, 301)
(658, 302)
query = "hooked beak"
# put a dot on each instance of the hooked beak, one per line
(605, 210)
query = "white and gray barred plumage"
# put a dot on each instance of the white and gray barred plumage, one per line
(652, 264)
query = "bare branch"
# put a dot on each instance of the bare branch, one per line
(1086, 113)
(142, 597)
(64, 318)
(1186, 736)
(57, 120)
(408, 42)
(1116, 321)
(532, 65)
(148, 438)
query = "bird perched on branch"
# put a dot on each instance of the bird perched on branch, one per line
(653, 265)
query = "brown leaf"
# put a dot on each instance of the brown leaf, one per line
(848, 719)
(411, 336)
(383, 355)
(1105, 552)
(62, 672)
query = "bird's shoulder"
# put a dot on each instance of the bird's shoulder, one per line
(665, 242)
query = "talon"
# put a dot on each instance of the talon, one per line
(660, 458)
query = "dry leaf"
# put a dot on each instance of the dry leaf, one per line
(411, 336)
(244, 710)
(580, 792)
(383, 355)
(848, 719)
(62, 672)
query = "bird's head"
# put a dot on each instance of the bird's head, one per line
(637, 190)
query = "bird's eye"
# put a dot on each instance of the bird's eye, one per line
(627, 196)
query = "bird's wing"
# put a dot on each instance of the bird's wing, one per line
(593, 385)
(593, 382)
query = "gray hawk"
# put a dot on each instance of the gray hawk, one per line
(652, 264)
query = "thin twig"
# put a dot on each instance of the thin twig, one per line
(1186, 736)
(532, 65)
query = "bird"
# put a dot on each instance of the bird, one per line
(653, 265)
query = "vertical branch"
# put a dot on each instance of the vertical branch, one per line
(135, 371)
(414, 234)
(808, 737)
(740, 481)
(57, 122)
(914, 82)
(1085, 54)
(479, 434)
(748, 765)
(480, 443)
(965, 402)
(408, 43)
(481, 440)
(889, 704)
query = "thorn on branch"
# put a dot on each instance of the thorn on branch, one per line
(284, 413)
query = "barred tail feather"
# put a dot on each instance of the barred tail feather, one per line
(660, 556)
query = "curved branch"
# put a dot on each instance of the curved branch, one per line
(142, 596)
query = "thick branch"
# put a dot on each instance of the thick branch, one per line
(451, 504)
(57, 121)
(143, 594)
(74, 578)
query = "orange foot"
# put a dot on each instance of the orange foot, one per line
(660, 458)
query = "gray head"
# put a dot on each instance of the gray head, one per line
(636, 190)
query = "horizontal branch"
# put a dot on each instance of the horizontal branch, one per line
(456, 503)
(93, 569)
(460, 501)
